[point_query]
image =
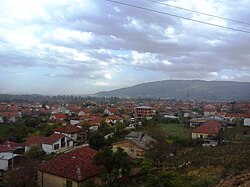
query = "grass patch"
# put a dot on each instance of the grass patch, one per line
(176, 130)
(239, 133)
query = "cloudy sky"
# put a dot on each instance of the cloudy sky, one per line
(86, 46)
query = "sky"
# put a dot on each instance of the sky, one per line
(86, 46)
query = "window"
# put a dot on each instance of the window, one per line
(63, 144)
(56, 146)
(68, 183)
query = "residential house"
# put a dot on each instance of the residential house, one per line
(140, 135)
(113, 119)
(7, 160)
(136, 144)
(209, 110)
(208, 129)
(85, 112)
(71, 169)
(197, 121)
(10, 154)
(53, 143)
(11, 116)
(70, 131)
(61, 110)
(135, 148)
(108, 112)
(236, 119)
(11, 147)
(58, 117)
(32, 141)
(76, 120)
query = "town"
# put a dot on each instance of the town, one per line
(89, 141)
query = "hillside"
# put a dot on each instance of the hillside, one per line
(185, 89)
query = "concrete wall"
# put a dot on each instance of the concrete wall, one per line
(198, 135)
(4, 164)
(47, 148)
(49, 180)
(247, 122)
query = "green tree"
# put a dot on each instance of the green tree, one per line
(34, 152)
(115, 164)
(96, 140)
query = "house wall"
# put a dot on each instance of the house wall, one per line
(198, 135)
(1, 119)
(26, 148)
(48, 180)
(132, 150)
(74, 122)
(47, 148)
(72, 136)
(246, 121)
(4, 164)
(206, 113)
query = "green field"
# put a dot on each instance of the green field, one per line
(238, 134)
(176, 130)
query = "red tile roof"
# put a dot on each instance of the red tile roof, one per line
(53, 138)
(4, 148)
(67, 165)
(247, 115)
(114, 117)
(69, 129)
(235, 115)
(9, 146)
(34, 140)
(39, 140)
(13, 144)
(209, 127)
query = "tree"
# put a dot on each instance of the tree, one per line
(96, 140)
(34, 152)
(115, 164)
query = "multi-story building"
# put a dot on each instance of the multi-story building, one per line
(143, 112)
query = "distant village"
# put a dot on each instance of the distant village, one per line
(58, 142)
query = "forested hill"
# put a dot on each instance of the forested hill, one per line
(186, 89)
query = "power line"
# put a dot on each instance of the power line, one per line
(177, 16)
(197, 12)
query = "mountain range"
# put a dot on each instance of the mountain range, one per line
(185, 90)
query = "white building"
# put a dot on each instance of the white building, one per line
(6, 160)
(247, 120)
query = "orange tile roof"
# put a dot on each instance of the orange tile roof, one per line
(62, 116)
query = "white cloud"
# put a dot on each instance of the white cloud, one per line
(102, 84)
(69, 36)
